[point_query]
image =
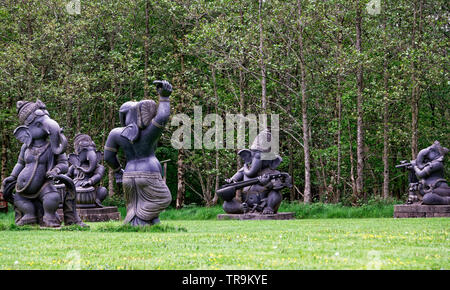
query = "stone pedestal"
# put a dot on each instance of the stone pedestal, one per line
(99, 214)
(257, 216)
(421, 211)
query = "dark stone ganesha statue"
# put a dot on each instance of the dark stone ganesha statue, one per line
(87, 172)
(259, 179)
(41, 162)
(146, 193)
(426, 177)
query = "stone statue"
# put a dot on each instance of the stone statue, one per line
(260, 180)
(86, 172)
(41, 162)
(145, 191)
(426, 176)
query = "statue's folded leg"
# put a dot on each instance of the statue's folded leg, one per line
(439, 196)
(100, 195)
(273, 202)
(233, 207)
(25, 211)
(47, 203)
(435, 199)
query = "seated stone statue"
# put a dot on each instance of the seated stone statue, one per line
(259, 179)
(42, 160)
(145, 191)
(87, 172)
(429, 169)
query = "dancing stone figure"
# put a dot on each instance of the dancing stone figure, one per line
(145, 191)
(42, 161)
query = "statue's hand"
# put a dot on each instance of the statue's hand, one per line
(264, 179)
(163, 88)
(268, 210)
(82, 169)
(52, 173)
(118, 176)
(245, 207)
(229, 180)
(413, 164)
(8, 180)
(86, 183)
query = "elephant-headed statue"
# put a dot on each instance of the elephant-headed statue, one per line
(145, 191)
(259, 179)
(429, 169)
(87, 172)
(42, 160)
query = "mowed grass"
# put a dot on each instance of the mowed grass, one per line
(375, 243)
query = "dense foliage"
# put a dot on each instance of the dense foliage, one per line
(375, 72)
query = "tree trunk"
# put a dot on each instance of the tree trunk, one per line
(339, 107)
(386, 192)
(79, 113)
(306, 137)
(328, 189)
(146, 53)
(110, 171)
(4, 158)
(352, 163)
(181, 186)
(261, 60)
(359, 106)
(414, 105)
(291, 158)
(111, 116)
(242, 86)
(386, 147)
(180, 180)
(216, 109)
(5, 143)
(415, 86)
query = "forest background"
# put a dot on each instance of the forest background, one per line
(358, 85)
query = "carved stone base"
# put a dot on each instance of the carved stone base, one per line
(256, 216)
(100, 214)
(421, 211)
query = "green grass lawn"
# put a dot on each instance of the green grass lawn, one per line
(375, 243)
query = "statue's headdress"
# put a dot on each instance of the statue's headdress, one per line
(262, 142)
(26, 111)
(142, 114)
(82, 141)
(442, 150)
